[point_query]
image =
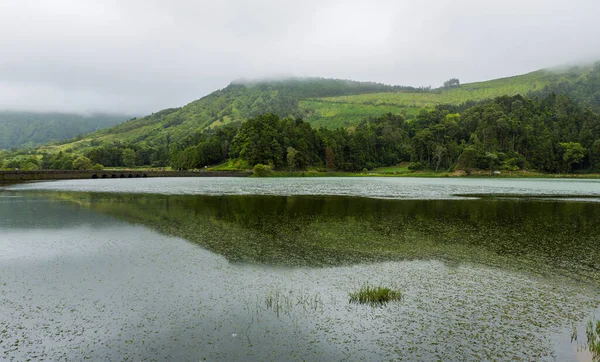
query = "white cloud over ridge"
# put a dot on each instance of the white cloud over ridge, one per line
(139, 56)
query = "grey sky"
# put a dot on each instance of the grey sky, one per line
(140, 56)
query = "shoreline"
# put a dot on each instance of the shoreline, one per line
(418, 174)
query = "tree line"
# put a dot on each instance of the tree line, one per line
(552, 134)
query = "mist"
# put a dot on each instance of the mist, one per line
(138, 57)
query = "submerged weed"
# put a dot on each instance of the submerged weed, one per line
(375, 295)
(281, 302)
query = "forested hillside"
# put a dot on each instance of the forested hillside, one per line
(27, 129)
(332, 103)
(553, 134)
(543, 120)
(237, 102)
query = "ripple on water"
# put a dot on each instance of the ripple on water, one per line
(377, 187)
(159, 297)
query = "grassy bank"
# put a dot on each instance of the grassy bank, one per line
(474, 174)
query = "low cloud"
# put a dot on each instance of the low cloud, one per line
(142, 56)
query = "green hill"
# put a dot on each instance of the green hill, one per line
(328, 103)
(349, 110)
(28, 129)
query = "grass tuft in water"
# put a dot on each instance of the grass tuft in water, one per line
(593, 339)
(283, 303)
(375, 295)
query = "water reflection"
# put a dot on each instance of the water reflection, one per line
(89, 275)
(543, 236)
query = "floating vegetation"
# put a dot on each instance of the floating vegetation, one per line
(268, 278)
(375, 295)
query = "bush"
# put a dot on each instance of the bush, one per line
(30, 166)
(82, 163)
(261, 170)
(98, 167)
(415, 166)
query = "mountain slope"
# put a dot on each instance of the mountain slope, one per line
(347, 110)
(27, 129)
(330, 103)
(236, 102)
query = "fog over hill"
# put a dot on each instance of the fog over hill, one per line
(142, 56)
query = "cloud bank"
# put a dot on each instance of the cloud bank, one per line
(138, 57)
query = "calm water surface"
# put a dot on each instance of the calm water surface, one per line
(184, 269)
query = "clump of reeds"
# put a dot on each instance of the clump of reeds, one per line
(375, 295)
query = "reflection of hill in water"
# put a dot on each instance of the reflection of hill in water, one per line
(325, 231)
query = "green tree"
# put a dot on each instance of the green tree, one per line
(129, 157)
(438, 156)
(468, 159)
(595, 155)
(492, 160)
(573, 152)
(30, 164)
(82, 163)
(291, 158)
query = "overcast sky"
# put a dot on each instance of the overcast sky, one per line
(140, 56)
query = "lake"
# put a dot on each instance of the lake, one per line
(261, 269)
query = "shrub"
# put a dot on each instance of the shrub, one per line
(261, 170)
(415, 166)
(82, 163)
(30, 166)
(98, 167)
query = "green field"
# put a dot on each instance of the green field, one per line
(349, 110)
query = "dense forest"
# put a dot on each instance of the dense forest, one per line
(553, 134)
(27, 129)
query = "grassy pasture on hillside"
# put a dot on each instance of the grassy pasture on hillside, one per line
(343, 111)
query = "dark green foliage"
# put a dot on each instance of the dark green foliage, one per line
(266, 139)
(415, 166)
(198, 150)
(377, 142)
(551, 135)
(27, 129)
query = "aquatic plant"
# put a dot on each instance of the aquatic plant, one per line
(375, 295)
(593, 338)
(283, 302)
